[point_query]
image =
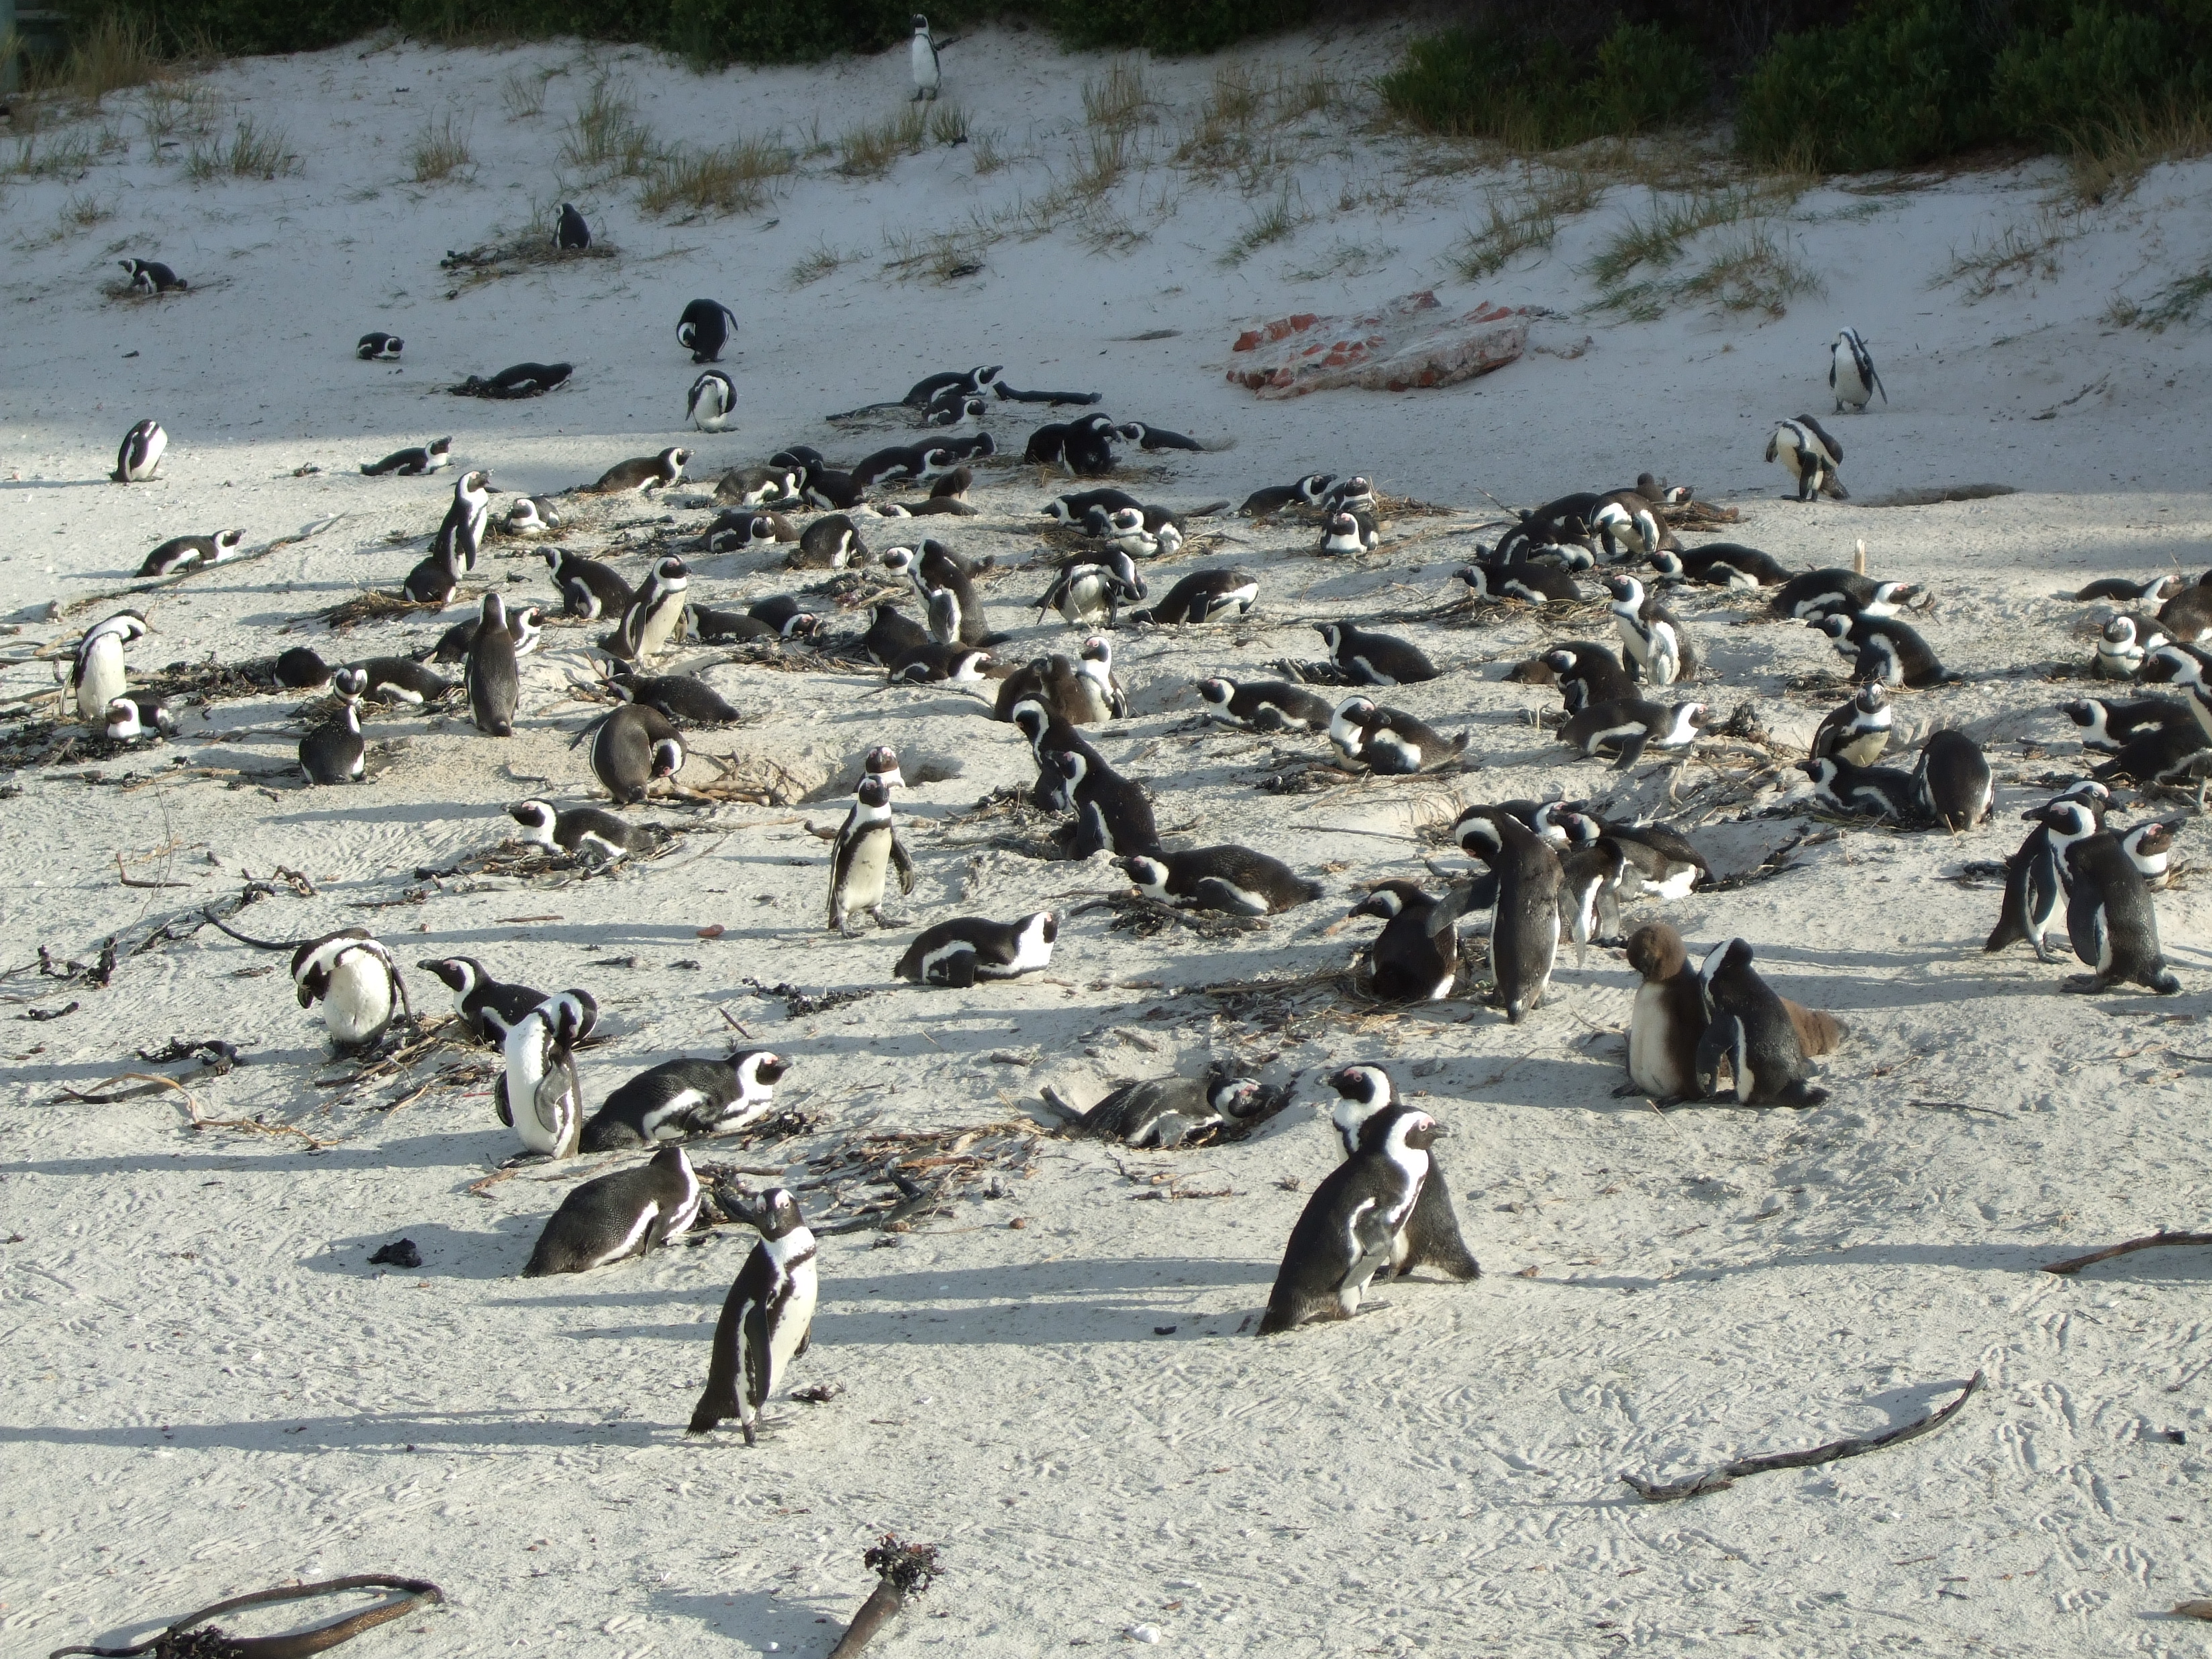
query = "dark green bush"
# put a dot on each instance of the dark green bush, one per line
(1535, 91)
(783, 31)
(2095, 67)
(1173, 26)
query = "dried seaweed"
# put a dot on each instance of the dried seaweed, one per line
(372, 606)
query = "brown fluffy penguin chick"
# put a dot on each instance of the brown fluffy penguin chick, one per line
(1668, 1018)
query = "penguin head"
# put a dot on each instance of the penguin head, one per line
(459, 975)
(1149, 875)
(1071, 765)
(1731, 956)
(2067, 820)
(1332, 635)
(1627, 593)
(124, 627)
(1124, 520)
(1385, 902)
(1873, 698)
(1478, 834)
(1366, 1086)
(1232, 1096)
(473, 484)
(301, 670)
(2087, 790)
(1216, 691)
(920, 24)
(1314, 486)
(873, 794)
(899, 561)
(123, 719)
(758, 1071)
(1684, 722)
(775, 1213)
(667, 758)
(883, 764)
(1346, 725)
(350, 683)
(1099, 650)
(2120, 631)
(570, 1016)
(1821, 771)
(675, 459)
(1031, 720)
(1834, 624)
(227, 541)
(1655, 951)
(1043, 926)
(673, 572)
(1667, 566)
(492, 613)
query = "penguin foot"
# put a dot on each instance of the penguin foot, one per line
(883, 921)
(1626, 1090)
(2085, 984)
(521, 1159)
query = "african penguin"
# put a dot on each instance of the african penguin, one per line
(643, 474)
(679, 1098)
(1956, 789)
(1748, 1029)
(866, 848)
(584, 832)
(1525, 929)
(704, 329)
(1415, 958)
(1204, 596)
(1856, 731)
(190, 553)
(335, 751)
(1430, 1236)
(958, 952)
(1306, 492)
(654, 615)
(132, 718)
(96, 674)
(1390, 741)
(1088, 593)
(485, 1005)
(356, 981)
(1815, 591)
(493, 681)
(1366, 659)
(610, 1218)
(1882, 791)
(589, 589)
(1112, 814)
(2143, 591)
(680, 696)
(401, 680)
(1653, 645)
(1629, 726)
(412, 462)
(377, 346)
(1587, 672)
(1266, 705)
(1851, 375)
(538, 1095)
(1348, 1230)
(570, 234)
(152, 276)
(2110, 917)
(2109, 725)
(1884, 649)
(1164, 1113)
(1805, 451)
(1666, 1020)
(712, 403)
(766, 1319)
(1721, 564)
(1234, 879)
(632, 747)
(143, 448)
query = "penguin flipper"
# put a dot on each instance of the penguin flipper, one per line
(720, 1398)
(499, 1102)
(902, 861)
(756, 1355)
(1724, 1040)
(1631, 750)
(957, 971)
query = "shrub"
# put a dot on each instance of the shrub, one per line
(1174, 27)
(1534, 91)
(1904, 81)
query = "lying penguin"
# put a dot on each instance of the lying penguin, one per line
(1165, 1113)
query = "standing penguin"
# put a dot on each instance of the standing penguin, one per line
(570, 234)
(654, 614)
(1653, 642)
(1348, 1232)
(1430, 1236)
(335, 751)
(493, 677)
(1749, 1028)
(712, 401)
(921, 55)
(1525, 929)
(629, 1213)
(704, 329)
(1805, 451)
(1850, 374)
(1955, 786)
(633, 746)
(1667, 1019)
(766, 1318)
(2110, 915)
(2038, 878)
(143, 448)
(97, 673)
(867, 846)
(357, 982)
(538, 1095)
(461, 536)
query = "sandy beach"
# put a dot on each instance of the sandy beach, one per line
(1051, 1373)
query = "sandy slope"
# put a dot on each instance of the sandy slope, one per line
(213, 1392)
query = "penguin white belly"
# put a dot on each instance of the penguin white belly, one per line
(669, 1110)
(1650, 1058)
(923, 56)
(103, 679)
(628, 1244)
(1034, 952)
(796, 1317)
(1676, 885)
(943, 955)
(527, 1058)
(660, 624)
(863, 886)
(359, 1000)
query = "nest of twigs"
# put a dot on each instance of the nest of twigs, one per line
(210, 681)
(518, 255)
(372, 607)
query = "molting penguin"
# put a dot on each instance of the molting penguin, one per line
(1164, 1113)
(612, 1217)
(97, 672)
(190, 553)
(958, 952)
(1851, 376)
(1390, 741)
(570, 234)
(1367, 659)
(654, 614)
(144, 446)
(1810, 455)
(630, 748)
(335, 751)
(1430, 1236)
(766, 1319)
(1955, 787)
(493, 680)
(867, 846)
(1234, 879)
(1525, 929)
(1629, 726)
(1667, 1019)
(1857, 731)
(712, 403)
(683, 1097)
(484, 1005)
(357, 982)
(704, 329)
(1748, 1029)
(538, 1095)
(1348, 1232)
(584, 833)
(378, 347)
(1266, 705)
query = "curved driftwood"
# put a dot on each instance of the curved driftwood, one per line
(2074, 1264)
(181, 1641)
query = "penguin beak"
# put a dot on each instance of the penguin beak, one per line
(1440, 1132)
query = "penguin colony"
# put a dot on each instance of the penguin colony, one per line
(1704, 1023)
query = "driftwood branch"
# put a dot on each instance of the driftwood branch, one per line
(2074, 1264)
(905, 1572)
(1728, 1474)
(181, 1638)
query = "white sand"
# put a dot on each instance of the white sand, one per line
(211, 1392)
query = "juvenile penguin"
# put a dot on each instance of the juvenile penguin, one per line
(538, 1095)
(1164, 1113)
(1367, 659)
(1430, 1236)
(766, 1320)
(712, 403)
(1234, 879)
(704, 329)
(1749, 1028)
(1349, 1229)
(378, 347)
(460, 538)
(96, 674)
(867, 846)
(335, 751)
(493, 679)
(143, 448)
(613, 1217)
(584, 833)
(1415, 958)
(1667, 1019)
(412, 462)
(631, 748)
(570, 234)
(1629, 726)
(654, 614)
(1851, 375)
(1204, 596)
(682, 1097)
(1524, 928)
(958, 952)
(1858, 730)
(1266, 705)
(1956, 789)
(190, 553)
(484, 1005)
(1805, 451)
(1390, 741)
(356, 981)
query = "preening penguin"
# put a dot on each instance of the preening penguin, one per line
(682, 1097)
(1748, 1029)
(704, 329)
(493, 680)
(712, 403)
(143, 448)
(2121, 647)
(1204, 596)
(190, 553)
(152, 276)
(1390, 741)
(538, 1095)
(132, 718)
(830, 543)
(1350, 532)
(1805, 451)
(1348, 1232)
(1955, 786)
(357, 982)
(335, 751)
(766, 1320)
(1234, 879)
(582, 832)
(612, 1217)
(1884, 649)
(866, 848)
(654, 614)
(958, 952)
(1164, 1113)
(1430, 1236)
(1524, 928)
(1367, 659)
(570, 234)
(487, 1007)
(1094, 591)
(632, 747)
(461, 536)
(1655, 646)
(1415, 958)
(1266, 705)
(97, 672)
(1850, 374)
(1587, 672)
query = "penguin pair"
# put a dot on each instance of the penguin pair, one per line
(1232, 880)
(1803, 449)
(1051, 736)
(679, 1098)
(955, 954)
(2038, 878)
(867, 848)
(1162, 1114)
(1090, 591)
(632, 749)
(946, 584)
(1884, 649)
(132, 718)
(1686, 1025)
(1389, 741)
(2111, 920)
(1266, 705)
(539, 1094)
(1363, 658)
